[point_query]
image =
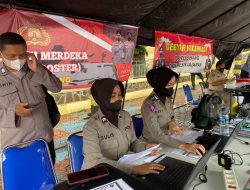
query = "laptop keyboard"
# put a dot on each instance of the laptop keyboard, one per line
(174, 176)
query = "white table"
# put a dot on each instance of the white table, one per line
(214, 173)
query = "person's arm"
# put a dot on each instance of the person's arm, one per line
(92, 151)
(214, 82)
(219, 82)
(10, 116)
(44, 77)
(136, 144)
(115, 49)
(153, 130)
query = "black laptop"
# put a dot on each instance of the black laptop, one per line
(208, 140)
(178, 175)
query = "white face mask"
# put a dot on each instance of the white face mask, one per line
(14, 64)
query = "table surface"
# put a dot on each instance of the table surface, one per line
(215, 173)
(115, 174)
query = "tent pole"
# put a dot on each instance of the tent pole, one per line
(125, 91)
(176, 88)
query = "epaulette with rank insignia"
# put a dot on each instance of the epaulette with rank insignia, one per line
(3, 70)
(153, 97)
(104, 119)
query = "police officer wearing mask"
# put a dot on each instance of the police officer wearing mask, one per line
(216, 80)
(109, 133)
(158, 114)
(118, 49)
(161, 61)
(129, 46)
(21, 80)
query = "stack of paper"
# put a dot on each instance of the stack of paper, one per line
(129, 158)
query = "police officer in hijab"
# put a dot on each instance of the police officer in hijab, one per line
(109, 133)
(158, 114)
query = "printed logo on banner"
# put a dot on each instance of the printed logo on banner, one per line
(34, 34)
(183, 53)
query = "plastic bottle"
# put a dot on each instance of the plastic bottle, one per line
(224, 122)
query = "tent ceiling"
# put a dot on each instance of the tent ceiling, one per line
(215, 19)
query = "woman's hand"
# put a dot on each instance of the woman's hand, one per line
(149, 168)
(154, 152)
(194, 148)
(175, 129)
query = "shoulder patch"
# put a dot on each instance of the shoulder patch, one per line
(151, 107)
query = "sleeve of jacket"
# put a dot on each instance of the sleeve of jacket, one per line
(93, 154)
(211, 77)
(115, 49)
(136, 144)
(44, 77)
(8, 117)
(152, 130)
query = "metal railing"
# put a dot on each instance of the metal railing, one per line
(139, 70)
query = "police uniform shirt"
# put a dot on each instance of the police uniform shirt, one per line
(25, 86)
(118, 50)
(156, 118)
(214, 76)
(106, 143)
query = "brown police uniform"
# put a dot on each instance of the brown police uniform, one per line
(156, 118)
(105, 143)
(21, 87)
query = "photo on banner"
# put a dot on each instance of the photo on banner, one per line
(183, 53)
(75, 50)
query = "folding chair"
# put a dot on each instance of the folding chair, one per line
(138, 125)
(189, 97)
(27, 166)
(75, 146)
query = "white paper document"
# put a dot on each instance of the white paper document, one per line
(129, 158)
(183, 153)
(150, 159)
(119, 184)
(188, 136)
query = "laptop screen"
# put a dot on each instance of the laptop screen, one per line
(200, 165)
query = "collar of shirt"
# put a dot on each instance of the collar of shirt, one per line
(20, 74)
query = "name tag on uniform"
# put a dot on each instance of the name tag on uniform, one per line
(108, 136)
(159, 111)
(5, 84)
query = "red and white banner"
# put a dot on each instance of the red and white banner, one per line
(77, 51)
(183, 53)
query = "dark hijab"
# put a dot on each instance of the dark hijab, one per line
(101, 91)
(158, 79)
